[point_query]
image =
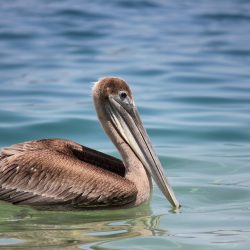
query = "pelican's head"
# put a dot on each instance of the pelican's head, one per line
(116, 108)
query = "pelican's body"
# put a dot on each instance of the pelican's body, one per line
(61, 173)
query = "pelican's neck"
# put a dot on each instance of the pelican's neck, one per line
(135, 171)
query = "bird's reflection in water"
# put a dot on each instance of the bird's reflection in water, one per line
(78, 230)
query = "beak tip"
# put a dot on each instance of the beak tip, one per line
(178, 206)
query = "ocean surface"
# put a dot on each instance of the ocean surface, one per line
(188, 64)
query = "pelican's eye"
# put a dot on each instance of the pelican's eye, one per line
(124, 98)
(123, 95)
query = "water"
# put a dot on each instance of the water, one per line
(188, 63)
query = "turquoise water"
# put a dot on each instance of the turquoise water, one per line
(188, 63)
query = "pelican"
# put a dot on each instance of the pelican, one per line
(62, 173)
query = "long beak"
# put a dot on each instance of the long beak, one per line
(126, 119)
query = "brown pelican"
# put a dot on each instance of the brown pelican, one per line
(62, 173)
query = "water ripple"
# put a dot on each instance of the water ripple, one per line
(188, 65)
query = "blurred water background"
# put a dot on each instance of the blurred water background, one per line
(188, 63)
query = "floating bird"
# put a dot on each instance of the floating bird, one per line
(63, 174)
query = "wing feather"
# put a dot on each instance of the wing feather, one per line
(49, 173)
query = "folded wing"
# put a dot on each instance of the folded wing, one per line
(60, 172)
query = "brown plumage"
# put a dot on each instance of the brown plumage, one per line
(61, 173)
(51, 172)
